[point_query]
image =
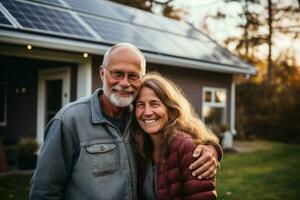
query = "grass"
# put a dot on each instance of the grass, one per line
(14, 187)
(263, 175)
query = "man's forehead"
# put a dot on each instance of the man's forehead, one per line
(125, 49)
(124, 54)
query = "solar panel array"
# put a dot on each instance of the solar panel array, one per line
(44, 18)
(115, 23)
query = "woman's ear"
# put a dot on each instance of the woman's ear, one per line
(172, 114)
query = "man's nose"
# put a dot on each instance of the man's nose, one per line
(124, 82)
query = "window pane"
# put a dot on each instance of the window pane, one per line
(213, 115)
(207, 96)
(220, 96)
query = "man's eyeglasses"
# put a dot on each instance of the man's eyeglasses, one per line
(119, 75)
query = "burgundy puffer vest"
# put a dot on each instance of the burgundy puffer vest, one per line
(174, 178)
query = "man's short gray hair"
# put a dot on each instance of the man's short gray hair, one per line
(107, 54)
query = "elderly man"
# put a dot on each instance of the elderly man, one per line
(88, 152)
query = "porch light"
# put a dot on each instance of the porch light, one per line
(29, 47)
(85, 55)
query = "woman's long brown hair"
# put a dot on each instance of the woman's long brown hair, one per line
(182, 117)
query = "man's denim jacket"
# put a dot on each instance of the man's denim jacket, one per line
(85, 156)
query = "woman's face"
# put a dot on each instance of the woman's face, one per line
(151, 113)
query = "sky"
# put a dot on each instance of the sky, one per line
(220, 30)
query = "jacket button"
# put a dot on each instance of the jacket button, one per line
(102, 147)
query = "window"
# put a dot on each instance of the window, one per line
(214, 106)
(2, 104)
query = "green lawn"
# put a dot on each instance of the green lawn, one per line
(262, 175)
(14, 187)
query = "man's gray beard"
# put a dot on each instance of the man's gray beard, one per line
(114, 99)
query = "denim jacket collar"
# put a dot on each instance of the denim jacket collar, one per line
(97, 116)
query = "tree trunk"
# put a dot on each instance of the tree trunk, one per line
(270, 21)
(247, 28)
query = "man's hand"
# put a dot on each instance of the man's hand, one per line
(207, 162)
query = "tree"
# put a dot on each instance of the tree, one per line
(269, 106)
(263, 27)
(271, 111)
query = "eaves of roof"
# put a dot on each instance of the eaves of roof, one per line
(19, 37)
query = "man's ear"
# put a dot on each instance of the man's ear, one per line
(101, 72)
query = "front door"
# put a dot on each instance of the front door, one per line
(53, 93)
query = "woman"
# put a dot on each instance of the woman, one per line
(166, 131)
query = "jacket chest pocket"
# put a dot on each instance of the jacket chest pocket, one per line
(102, 158)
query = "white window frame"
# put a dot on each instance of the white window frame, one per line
(213, 103)
(4, 84)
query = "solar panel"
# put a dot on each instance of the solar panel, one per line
(190, 46)
(208, 51)
(115, 32)
(95, 7)
(196, 34)
(53, 2)
(3, 19)
(56, 2)
(146, 19)
(168, 24)
(161, 42)
(134, 15)
(225, 56)
(35, 17)
(177, 27)
(124, 12)
(116, 11)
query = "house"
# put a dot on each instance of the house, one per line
(50, 51)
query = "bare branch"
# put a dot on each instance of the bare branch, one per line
(162, 3)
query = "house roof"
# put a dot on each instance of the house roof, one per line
(94, 25)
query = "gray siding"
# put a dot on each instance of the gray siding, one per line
(22, 107)
(192, 82)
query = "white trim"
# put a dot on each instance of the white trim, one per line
(213, 103)
(3, 123)
(13, 37)
(42, 54)
(232, 108)
(63, 73)
(84, 78)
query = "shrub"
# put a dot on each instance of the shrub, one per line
(27, 147)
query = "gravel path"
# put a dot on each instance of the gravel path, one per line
(250, 146)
